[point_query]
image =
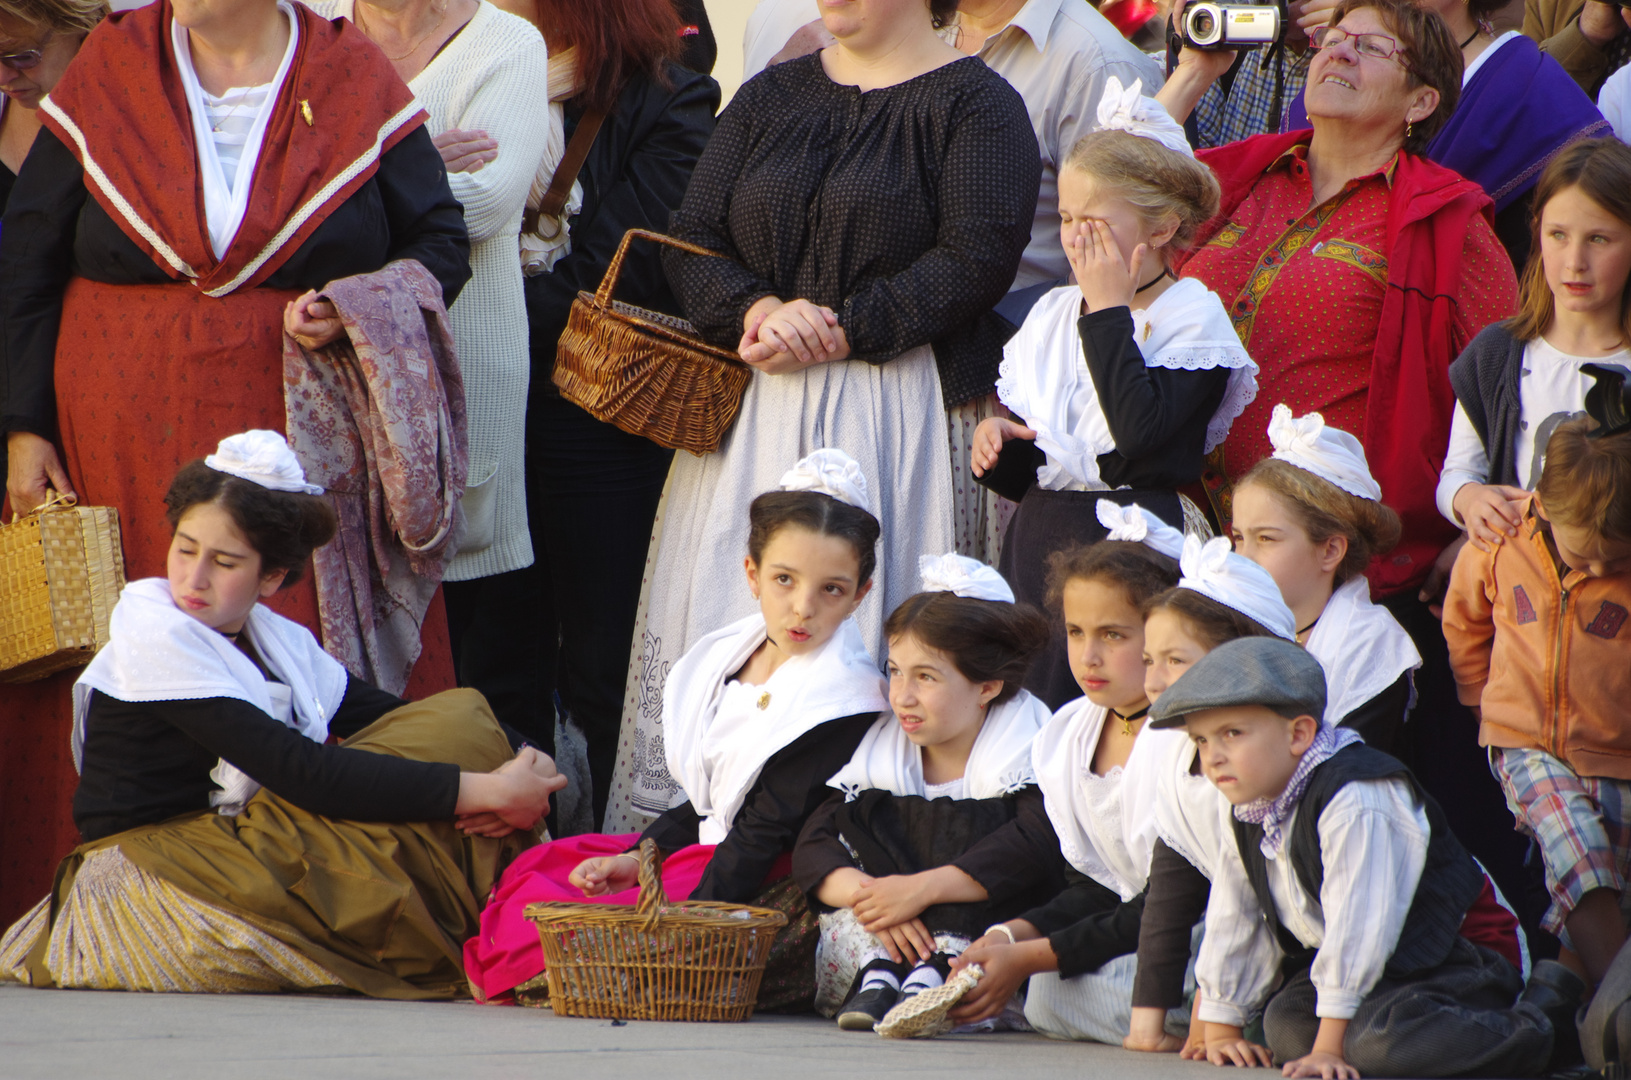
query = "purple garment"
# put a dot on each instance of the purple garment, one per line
(1518, 111)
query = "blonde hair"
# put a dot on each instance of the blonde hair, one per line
(58, 16)
(1325, 510)
(1156, 179)
(1586, 482)
(1601, 169)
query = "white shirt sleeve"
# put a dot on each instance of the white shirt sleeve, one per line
(1466, 462)
(1374, 839)
(1614, 102)
(1239, 958)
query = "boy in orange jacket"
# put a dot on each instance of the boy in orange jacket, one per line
(1539, 641)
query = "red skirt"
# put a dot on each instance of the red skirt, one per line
(148, 377)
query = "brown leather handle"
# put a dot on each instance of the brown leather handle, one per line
(608, 284)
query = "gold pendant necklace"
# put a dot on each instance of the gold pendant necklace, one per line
(1127, 722)
(357, 13)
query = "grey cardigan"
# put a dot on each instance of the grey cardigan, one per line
(1485, 380)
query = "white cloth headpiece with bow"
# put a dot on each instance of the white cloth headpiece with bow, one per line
(1215, 571)
(1131, 111)
(831, 472)
(1138, 525)
(1327, 452)
(963, 576)
(264, 458)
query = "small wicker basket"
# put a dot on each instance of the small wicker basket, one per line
(61, 572)
(648, 373)
(697, 960)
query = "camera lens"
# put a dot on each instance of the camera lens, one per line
(1203, 25)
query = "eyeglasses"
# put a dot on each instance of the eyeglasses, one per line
(1377, 46)
(28, 58)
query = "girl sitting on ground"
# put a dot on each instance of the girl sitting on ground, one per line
(201, 697)
(895, 861)
(1520, 378)
(1120, 384)
(756, 716)
(1075, 955)
(1312, 516)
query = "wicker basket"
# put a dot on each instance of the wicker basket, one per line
(697, 960)
(645, 372)
(61, 572)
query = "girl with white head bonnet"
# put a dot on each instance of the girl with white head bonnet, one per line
(202, 697)
(756, 716)
(1121, 383)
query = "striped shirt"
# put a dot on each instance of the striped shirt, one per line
(231, 117)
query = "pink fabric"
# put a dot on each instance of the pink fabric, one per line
(378, 419)
(506, 952)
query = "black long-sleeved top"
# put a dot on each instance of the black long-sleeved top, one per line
(52, 231)
(904, 209)
(1175, 900)
(792, 784)
(633, 178)
(1158, 416)
(145, 762)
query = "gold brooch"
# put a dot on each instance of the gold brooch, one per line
(305, 113)
(764, 701)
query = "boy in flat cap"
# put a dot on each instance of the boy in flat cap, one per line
(1345, 879)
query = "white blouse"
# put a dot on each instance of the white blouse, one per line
(1374, 838)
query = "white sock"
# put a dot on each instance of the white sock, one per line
(923, 977)
(880, 976)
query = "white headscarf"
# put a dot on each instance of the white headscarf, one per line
(837, 680)
(1130, 111)
(963, 576)
(264, 458)
(157, 652)
(831, 472)
(1327, 452)
(999, 763)
(1234, 581)
(1138, 525)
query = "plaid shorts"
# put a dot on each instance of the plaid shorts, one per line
(1578, 821)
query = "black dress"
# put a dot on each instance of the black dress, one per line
(904, 209)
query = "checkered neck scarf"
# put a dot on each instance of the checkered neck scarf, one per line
(1272, 813)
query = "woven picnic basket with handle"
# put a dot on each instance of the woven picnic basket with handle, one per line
(648, 373)
(61, 572)
(697, 960)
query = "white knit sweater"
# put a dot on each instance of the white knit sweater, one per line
(492, 77)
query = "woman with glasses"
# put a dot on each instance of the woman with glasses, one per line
(37, 39)
(205, 168)
(1355, 270)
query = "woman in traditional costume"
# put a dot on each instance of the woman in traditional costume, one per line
(757, 715)
(202, 169)
(360, 866)
(883, 188)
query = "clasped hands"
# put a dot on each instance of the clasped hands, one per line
(779, 337)
(513, 797)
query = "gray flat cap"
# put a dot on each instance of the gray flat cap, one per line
(1267, 671)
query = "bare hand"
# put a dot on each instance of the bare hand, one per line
(1601, 23)
(516, 792)
(1147, 1033)
(1105, 279)
(1438, 578)
(605, 875)
(889, 901)
(1490, 512)
(804, 329)
(910, 940)
(1007, 967)
(1241, 1052)
(32, 469)
(1323, 1065)
(1308, 16)
(1195, 1045)
(809, 38)
(465, 151)
(989, 437)
(313, 323)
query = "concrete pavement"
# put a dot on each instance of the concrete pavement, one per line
(65, 1035)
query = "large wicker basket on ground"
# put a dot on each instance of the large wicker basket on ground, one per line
(61, 572)
(648, 373)
(696, 960)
